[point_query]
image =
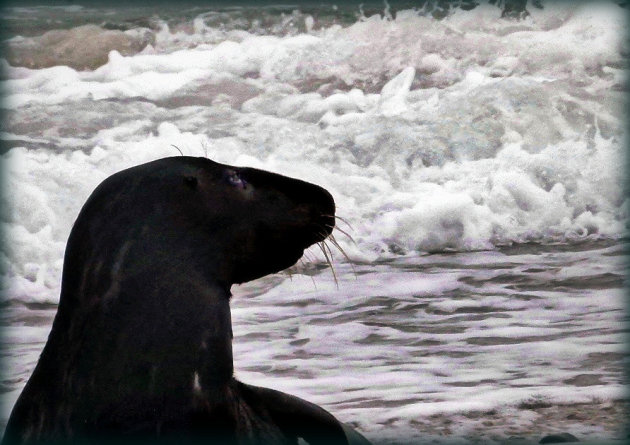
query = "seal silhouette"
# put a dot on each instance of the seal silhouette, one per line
(141, 346)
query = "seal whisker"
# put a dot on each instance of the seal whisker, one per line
(311, 259)
(205, 148)
(327, 248)
(330, 255)
(347, 235)
(333, 227)
(345, 221)
(304, 266)
(322, 246)
(313, 280)
(308, 257)
(334, 242)
(177, 148)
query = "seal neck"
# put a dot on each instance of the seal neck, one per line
(153, 325)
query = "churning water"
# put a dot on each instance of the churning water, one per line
(478, 162)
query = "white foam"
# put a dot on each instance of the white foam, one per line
(457, 134)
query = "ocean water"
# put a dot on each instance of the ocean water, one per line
(478, 164)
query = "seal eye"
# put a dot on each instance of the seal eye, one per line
(233, 178)
(190, 181)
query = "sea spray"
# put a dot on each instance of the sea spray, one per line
(464, 133)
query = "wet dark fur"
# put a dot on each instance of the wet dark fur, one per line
(141, 346)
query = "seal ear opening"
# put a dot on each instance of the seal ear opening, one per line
(191, 181)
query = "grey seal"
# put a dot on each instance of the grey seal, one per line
(141, 345)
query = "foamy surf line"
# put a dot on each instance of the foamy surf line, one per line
(477, 138)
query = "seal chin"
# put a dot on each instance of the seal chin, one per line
(287, 259)
(278, 257)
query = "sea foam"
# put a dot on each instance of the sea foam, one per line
(458, 134)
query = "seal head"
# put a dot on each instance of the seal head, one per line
(245, 223)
